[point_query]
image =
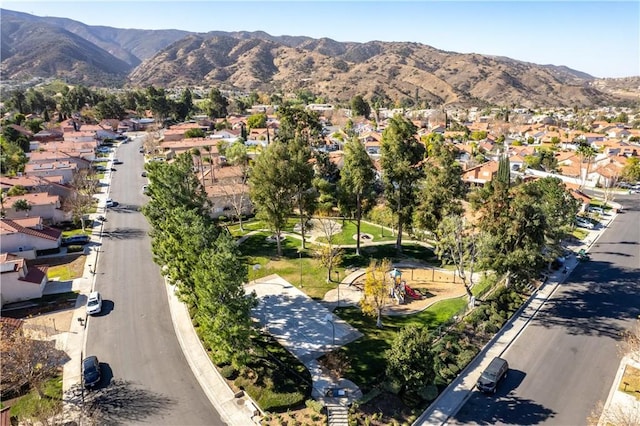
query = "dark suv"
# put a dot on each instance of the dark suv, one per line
(90, 371)
(491, 376)
(79, 240)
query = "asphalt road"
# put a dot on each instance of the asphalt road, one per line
(563, 365)
(133, 337)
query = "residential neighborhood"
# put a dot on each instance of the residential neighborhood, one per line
(70, 202)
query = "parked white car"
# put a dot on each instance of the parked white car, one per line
(94, 303)
(584, 223)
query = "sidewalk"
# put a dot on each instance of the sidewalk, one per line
(456, 394)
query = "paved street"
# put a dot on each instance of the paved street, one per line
(565, 361)
(134, 336)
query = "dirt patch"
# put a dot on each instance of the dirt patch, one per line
(41, 322)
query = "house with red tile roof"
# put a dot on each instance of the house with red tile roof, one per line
(43, 204)
(481, 174)
(19, 281)
(26, 236)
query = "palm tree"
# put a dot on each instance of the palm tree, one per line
(211, 172)
(586, 152)
(196, 152)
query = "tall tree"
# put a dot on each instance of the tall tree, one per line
(297, 123)
(216, 104)
(270, 188)
(360, 107)
(224, 311)
(377, 285)
(586, 153)
(356, 181)
(173, 185)
(442, 189)
(401, 159)
(300, 179)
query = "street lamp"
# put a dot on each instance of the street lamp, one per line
(338, 281)
(329, 319)
(300, 257)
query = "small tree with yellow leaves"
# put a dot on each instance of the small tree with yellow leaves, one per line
(377, 285)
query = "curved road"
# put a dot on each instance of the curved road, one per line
(134, 336)
(564, 363)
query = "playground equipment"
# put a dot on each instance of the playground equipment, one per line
(411, 292)
(400, 290)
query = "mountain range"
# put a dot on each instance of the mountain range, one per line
(100, 56)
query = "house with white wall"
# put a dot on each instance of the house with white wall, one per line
(20, 282)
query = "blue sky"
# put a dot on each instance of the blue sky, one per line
(600, 38)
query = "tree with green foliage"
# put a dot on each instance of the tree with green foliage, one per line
(257, 121)
(110, 107)
(184, 107)
(12, 157)
(504, 171)
(217, 104)
(442, 189)
(300, 179)
(194, 133)
(377, 285)
(173, 185)
(224, 311)
(16, 190)
(158, 103)
(356, 183)
(631, 170)
(513, 227)
(17, 101)
(360, 107)
(559, 208)
(410, 358)
(297, 123)
(478, 135)
(270, 188)
(401, 160)
(21, 205)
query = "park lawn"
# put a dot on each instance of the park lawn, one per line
(247, 226)
(32, 407)
(410, 252)
(366, 355)
(346, 236)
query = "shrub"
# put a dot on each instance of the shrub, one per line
(316, 406)
(229, 372)
(429, 393)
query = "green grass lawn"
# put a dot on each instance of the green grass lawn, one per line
(78, 231)
(580, 233)
(366, 355)
(32, 407)
(256, 250)
(346, 237)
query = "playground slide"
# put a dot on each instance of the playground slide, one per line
(412, 293)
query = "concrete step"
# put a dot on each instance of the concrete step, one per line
(337, 415)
